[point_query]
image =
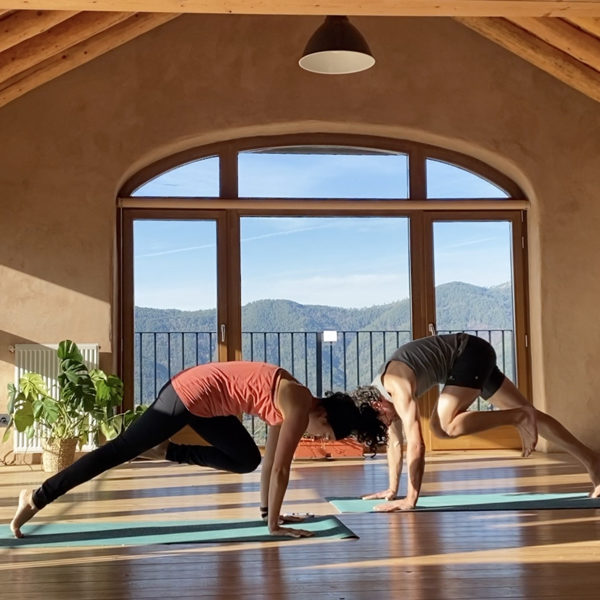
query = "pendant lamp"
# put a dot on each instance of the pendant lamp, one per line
(336, 48)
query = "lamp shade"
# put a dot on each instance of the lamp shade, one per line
(336, 48)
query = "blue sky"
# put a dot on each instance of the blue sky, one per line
(342, 261)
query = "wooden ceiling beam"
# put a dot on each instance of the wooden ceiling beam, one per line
(390, 8)
(23, 25)
(589, 25)
(539, 53)
(55, 41)
(134, 26)
(565, 37)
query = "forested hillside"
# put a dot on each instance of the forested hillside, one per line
(460, 306)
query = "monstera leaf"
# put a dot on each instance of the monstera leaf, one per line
(68, 350)
(23, 417)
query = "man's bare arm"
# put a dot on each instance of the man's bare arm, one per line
(395, 459)
(408, 410)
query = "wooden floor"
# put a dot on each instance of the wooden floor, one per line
(416, 556)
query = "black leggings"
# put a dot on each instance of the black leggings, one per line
(232, 449)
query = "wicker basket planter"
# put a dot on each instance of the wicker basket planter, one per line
(58, 454)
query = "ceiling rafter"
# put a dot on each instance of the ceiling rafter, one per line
(539, 53)
(23, 25)
(80, 53)
(35, 50)
(591, 25)
(565, 37)
(389, 8)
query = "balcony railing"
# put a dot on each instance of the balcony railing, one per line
(349, 361)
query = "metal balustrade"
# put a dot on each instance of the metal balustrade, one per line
(344, 364)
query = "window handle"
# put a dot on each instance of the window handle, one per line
(432, 329)
(223, 332)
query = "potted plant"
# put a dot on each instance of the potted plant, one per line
(84, 408)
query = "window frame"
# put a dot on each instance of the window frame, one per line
(417, 155)
(418, 208)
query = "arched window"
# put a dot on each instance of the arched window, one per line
(197, 178)
(320, 253)
(446, 180)
(322, 172)
(254, 169)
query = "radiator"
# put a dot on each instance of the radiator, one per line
(42, 359)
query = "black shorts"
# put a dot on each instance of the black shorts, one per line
(475, 367)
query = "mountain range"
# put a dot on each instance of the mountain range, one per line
(460, 306)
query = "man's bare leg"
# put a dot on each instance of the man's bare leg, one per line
(552, 430)
(508, 396)
(25, 510)
(455, 420)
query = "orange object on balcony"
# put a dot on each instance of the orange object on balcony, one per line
(311, 448)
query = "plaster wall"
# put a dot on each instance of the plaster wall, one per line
(68, 146)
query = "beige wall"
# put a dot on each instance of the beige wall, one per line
(68, 146)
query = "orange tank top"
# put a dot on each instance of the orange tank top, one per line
(230, 388)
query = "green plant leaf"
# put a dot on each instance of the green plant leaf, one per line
(12, 397)
(33, 384)
(73, 370)
(69, 350)
(23, 417)
(48, 411)
(77, 389)
(8, 430)
(111, 429)
(103, 392)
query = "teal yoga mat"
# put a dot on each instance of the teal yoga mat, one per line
(497, 501)
(167, 532)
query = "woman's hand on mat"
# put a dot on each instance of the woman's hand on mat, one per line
(396, 505)
(388, 494)
(291, 532)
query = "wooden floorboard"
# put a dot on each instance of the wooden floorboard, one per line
(549, 554)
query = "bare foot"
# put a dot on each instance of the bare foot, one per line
(159, 452)
(594, 471)
(527, 428)
(25, 510)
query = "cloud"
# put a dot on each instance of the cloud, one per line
(244, 239)
(469, 243)
(286, 232)
(174, 251)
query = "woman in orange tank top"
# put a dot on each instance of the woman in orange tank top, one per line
(209, 398)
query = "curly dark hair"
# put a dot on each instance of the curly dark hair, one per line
(348, 416)
(366, 396)
(367, 393)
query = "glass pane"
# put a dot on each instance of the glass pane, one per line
(474, 285)
(326, 298)
(195, 179)
(175, 295)
(304, 172)
(445, 180)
